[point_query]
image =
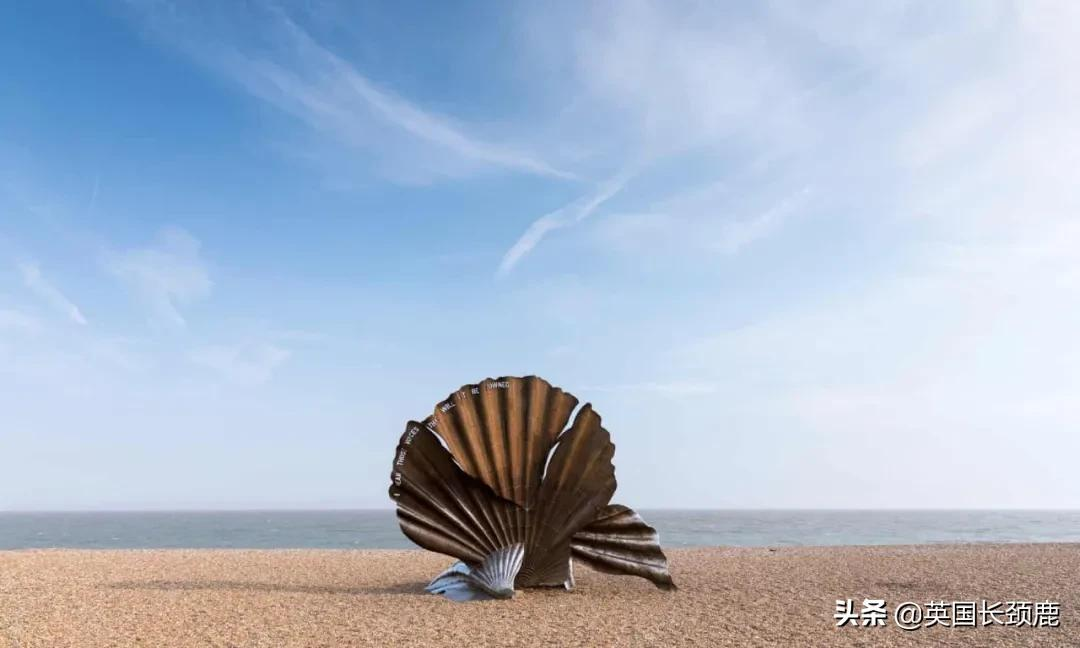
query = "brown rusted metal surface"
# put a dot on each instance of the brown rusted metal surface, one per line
(618, 541)
(501, 431)
(470, 482)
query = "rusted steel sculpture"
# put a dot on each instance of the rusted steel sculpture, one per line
(470, 482)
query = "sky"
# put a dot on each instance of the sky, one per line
(797, 255)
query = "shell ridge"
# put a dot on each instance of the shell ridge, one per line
(435, 523)
(491, 518)
(482, 505)
(574, 440)
(425, 536)
(446, 510)
(534, 422)
(490, 424)
(492, 419)
(540, 394)
(499, 430)
(480, 441)
(460, 443)
(438, 523)
(452, 486)
(513, 412)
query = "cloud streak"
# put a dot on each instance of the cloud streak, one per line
(302, 77)
(50, 294)
(565, 216)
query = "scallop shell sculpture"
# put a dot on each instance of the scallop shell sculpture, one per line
(495, 478)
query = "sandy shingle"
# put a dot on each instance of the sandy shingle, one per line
(727, 597)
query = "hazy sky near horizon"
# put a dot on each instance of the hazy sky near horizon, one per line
(795, 254)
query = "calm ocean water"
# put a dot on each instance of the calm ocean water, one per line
(378, 529)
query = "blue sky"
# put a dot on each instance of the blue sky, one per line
(795, 256)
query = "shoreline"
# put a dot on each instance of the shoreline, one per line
(728, 596)
(667, 549)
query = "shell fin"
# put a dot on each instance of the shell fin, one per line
(619, 541)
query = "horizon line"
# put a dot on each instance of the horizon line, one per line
(656, 509)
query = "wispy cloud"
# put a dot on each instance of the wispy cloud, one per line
(250, 363)
(668, 91)
(40, 286)
(165, 275)
(303, 77)
(563, 217)
(666, 80)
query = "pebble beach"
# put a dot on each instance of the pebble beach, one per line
(332, 598)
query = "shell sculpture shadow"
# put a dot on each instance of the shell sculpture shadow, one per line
(495, 478)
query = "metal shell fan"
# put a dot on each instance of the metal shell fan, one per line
(495, 478)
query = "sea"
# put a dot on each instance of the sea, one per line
(378, 529)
